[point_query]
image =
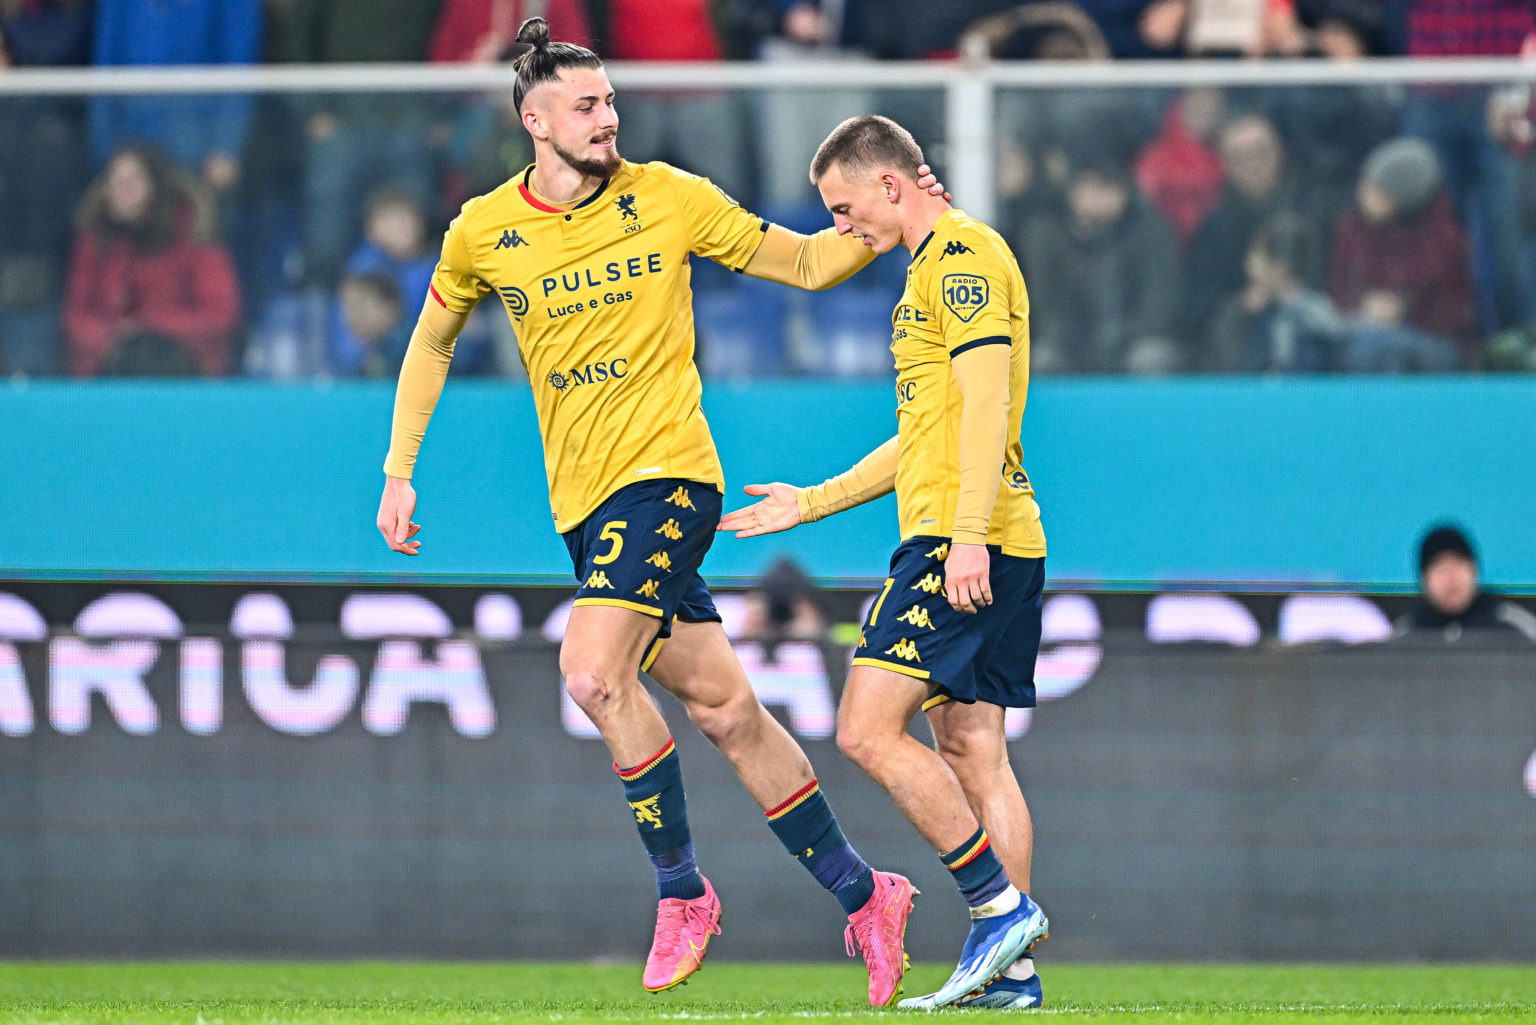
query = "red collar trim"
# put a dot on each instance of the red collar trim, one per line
(535, 202)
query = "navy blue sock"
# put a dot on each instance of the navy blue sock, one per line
(976, 869)
(807, 828)
(654, 790)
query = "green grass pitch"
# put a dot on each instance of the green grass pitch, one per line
(420, 993)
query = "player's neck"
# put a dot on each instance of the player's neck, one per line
(918, 221)
(558, 182)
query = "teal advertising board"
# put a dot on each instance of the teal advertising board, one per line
(1234, 483)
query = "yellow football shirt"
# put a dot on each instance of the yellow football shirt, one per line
(964, 289)
(600, 300)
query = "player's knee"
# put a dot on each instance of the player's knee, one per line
(855, 742)
(593, 687)
(974, 757)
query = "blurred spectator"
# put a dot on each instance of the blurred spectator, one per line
(358, 142)
(1179, 170)
(394, 247)
(1047, 30)
(1138, 28)
(794, 120)
(784, 607)
(1400, 262)
(149, 289)
(42, 171)
(205, 134)
(1451, 601)
(372, 330)
(702, 131)
(488, 145)
(1278, 324)
(1103, 277)
(1246, 28)
(1473, 140)
(485, 30)
(1257, 190)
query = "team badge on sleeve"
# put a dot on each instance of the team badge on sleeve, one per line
(965, 295)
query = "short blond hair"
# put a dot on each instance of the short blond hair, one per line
(865, 142)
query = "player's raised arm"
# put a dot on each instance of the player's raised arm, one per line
(819, 261)
(784, 506)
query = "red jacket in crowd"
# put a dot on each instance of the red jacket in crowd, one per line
(186, 293)
(663, 30)
(1180, 174)
(1424, 258)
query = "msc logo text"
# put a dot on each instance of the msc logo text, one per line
(592, 373)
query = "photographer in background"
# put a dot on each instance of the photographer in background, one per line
(1451, 600)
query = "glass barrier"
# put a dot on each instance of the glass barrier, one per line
(1372, 227)
(1295, 229)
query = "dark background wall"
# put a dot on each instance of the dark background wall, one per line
(1190, 802)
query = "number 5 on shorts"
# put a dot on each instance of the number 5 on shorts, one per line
(611, 533)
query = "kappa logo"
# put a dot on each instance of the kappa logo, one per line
(648, 589)
(917, 616)
(806, 853)
(662, 561)
(941, 553)
(599, 579)
(955, 249)
(648, 811)
(932, 583)
(862, 641)
(681, 498)
(511, 240)
(670, 531)
(626, 205)
(904, 649)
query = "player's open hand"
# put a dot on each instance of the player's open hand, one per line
(926, 179)
(777, 511)
(966, 582)
(395, 511)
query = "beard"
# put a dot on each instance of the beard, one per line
(591, 167)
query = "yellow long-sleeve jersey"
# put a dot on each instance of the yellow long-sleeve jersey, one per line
(958, 476)
(600, 299)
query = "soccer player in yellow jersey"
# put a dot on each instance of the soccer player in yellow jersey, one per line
(589, 255)
(956, 628)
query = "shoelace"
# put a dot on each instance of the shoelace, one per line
(672, 920)
(857, 937)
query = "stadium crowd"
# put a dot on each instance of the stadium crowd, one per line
(1252, 230)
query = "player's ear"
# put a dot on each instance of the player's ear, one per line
(533, 120)
(890, 184)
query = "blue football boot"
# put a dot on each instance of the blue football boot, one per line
(994, 943)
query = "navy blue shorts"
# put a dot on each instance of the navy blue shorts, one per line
(983, 656)
(641, 550)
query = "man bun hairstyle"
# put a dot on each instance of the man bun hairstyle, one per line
(863, 143)
(542, 60)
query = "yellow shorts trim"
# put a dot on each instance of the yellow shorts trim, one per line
(875, 663)
(650, 655)
(649, 610)
(936, 701)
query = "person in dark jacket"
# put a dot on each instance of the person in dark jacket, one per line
(1259, 187)
(150, 291)
(1104, 277)
(1452, 604)
(1400, 262)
